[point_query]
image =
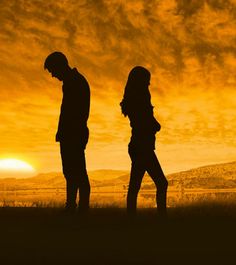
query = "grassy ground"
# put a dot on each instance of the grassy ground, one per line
(200, 234)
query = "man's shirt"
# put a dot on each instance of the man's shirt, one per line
(74, 108)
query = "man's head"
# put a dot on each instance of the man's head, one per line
(57, 64)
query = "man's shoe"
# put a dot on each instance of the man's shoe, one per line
(69, 209)
(83, 210)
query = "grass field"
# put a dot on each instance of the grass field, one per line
(197, 234)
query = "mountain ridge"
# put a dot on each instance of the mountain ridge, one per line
(209, 176)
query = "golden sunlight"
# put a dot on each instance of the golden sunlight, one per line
(12, 164)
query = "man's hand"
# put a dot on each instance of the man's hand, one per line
(57, 137)
(156, 125)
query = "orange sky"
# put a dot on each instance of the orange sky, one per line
(189, 47)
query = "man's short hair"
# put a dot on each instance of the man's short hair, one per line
(55, 59)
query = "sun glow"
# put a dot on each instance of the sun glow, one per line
(12, 164)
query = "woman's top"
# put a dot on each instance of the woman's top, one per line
(143, 123)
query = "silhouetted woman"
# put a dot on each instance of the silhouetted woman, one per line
(136, 104)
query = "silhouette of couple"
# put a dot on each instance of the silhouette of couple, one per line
(73, 134)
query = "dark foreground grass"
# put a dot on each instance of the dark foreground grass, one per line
(200, 234)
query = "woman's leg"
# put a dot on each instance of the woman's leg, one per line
(136, 176)
(155, 171)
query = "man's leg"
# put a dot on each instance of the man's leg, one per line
(71, 193)
(83, 183)
(67, 157)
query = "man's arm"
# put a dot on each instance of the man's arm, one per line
(60, 128)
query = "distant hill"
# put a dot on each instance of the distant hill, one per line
(106, 174)
(219, 176)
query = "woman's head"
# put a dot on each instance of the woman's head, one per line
(139, 77)
(136, 89)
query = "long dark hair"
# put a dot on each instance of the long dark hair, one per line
(136, 92)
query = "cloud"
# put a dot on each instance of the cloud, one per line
(189, 47)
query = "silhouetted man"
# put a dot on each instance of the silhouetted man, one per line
(72, 130)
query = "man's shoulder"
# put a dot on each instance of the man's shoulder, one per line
(79, 77)
(75, 83)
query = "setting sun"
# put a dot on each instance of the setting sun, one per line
(12, 164)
